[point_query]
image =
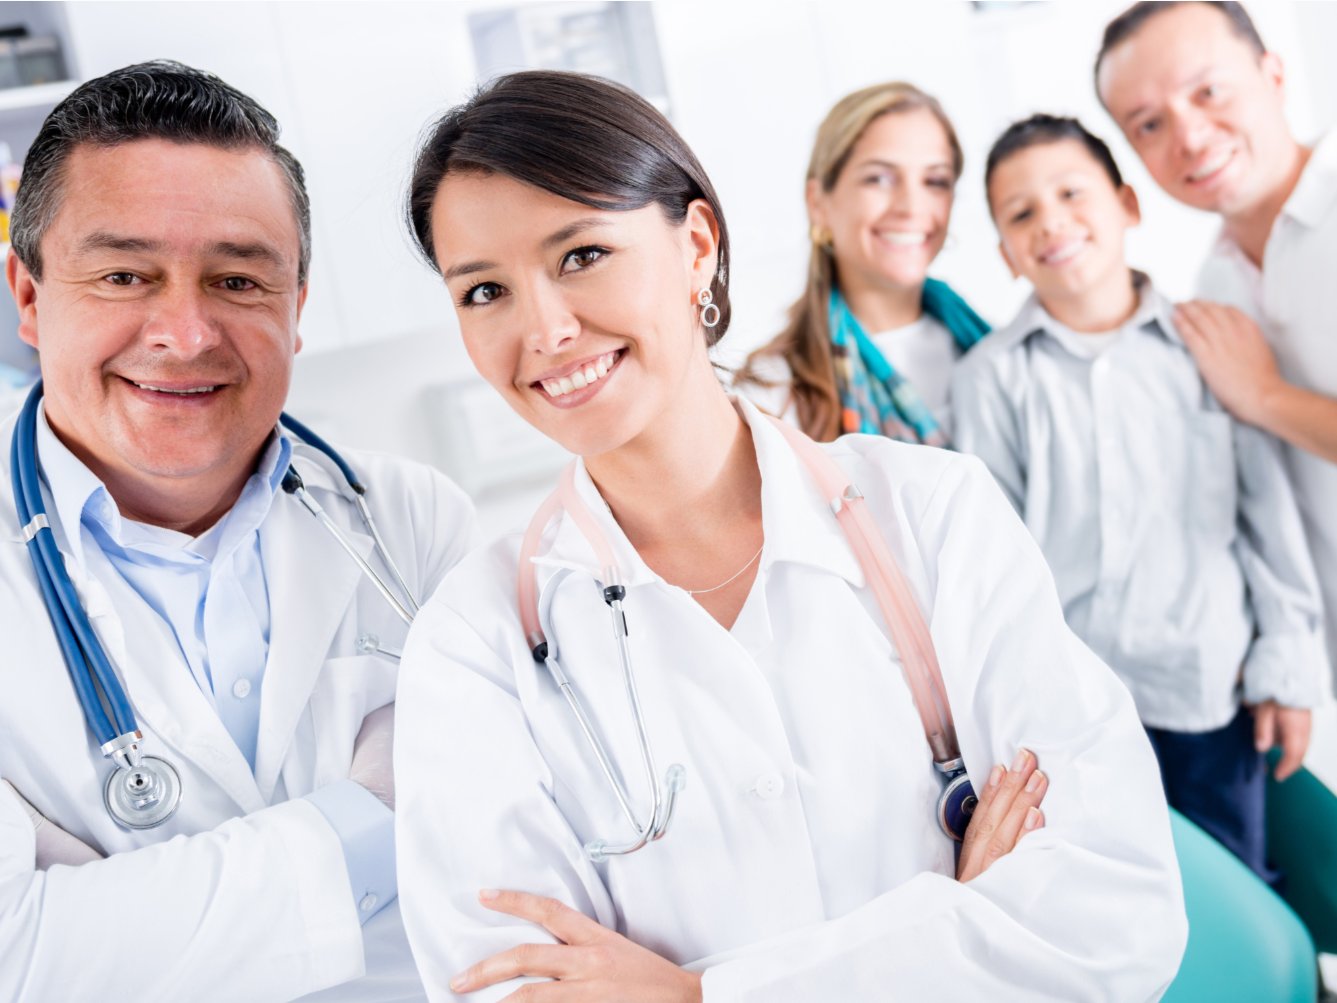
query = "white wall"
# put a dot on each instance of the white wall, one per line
(354, 83)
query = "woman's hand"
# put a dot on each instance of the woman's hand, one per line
(591, 964)
(1009, 807)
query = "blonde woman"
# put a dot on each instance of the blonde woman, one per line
(870, 344)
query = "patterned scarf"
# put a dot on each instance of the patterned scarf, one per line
(874, 398)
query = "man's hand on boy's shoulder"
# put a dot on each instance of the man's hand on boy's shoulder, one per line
(1287, 727)
(1237, 364)
(1232, 355)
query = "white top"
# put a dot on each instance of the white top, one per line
(1172, 531)
(244, 894)
(923, 352)
(804, 861)
(1294, 300)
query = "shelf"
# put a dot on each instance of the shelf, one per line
(35, 96)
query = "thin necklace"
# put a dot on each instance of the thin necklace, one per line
(716, 588)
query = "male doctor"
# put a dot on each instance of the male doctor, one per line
(161, 242)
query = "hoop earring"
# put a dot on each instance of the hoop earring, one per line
(710, 313)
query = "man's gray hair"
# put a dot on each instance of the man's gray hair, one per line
(155, 100)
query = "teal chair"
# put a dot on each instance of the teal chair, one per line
(1302, 841)
(1245, 945)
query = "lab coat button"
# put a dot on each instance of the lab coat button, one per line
(241, 689)
(368, 903)
(769, 786)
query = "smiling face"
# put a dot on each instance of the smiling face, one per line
(166, 317)
(1202, 109)
(889, 208)
(1061, 221)
(584, 320)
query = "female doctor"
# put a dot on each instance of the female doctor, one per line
(801, 855)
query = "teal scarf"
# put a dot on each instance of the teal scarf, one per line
(874, 398)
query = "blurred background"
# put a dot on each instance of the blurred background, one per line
(354, 83)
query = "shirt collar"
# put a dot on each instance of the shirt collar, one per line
(1308, 204)
(1154, 314)
(797, 522)
(80, 498)
(1317, 188)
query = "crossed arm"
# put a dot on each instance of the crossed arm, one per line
(593, 964)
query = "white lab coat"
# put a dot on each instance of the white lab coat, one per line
(243, 894)
(804, 862)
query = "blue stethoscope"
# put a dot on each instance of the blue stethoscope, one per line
(144, 791)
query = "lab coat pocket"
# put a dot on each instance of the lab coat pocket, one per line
(349, 688)
(1213, 497)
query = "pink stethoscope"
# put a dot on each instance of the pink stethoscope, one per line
(900, 611)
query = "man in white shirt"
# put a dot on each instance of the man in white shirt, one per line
(1200, 99)
(161, 247)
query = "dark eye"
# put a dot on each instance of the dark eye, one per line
(122, 278)
(1209, 91)
(1148, 128)
(1071, 193)
(237, 284)
(582, 257)
(1021, 217)
(484, 292)
(943, 183)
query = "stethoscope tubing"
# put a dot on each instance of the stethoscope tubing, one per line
(74, 631)
(900, 611)
(359, 489)
(106, 707)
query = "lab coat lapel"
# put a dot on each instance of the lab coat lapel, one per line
(311, 583)
(165, 697)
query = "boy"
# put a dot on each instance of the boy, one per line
(1172, 532)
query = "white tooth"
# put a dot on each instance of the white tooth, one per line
(164, 390)
(552, 388)
(566, 384)
(1064, 253)
(905, 239)
(1212, 166)
(577, 380)
(601, 367)
(591, 375)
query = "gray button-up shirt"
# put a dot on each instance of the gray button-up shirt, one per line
(1172, 530)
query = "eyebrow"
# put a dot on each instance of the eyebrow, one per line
(572, 229)
(552, 240)
(1052, 179)
(879, 162)
(1142, 109)
(102, 240)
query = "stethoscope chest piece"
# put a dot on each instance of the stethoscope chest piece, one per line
(957, 802)
(144, 795)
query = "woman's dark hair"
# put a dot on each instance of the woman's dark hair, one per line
(1042, 129)
(161, 99)
(580, 137)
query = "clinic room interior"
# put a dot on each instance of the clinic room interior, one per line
(382, 365)
(353, 84)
